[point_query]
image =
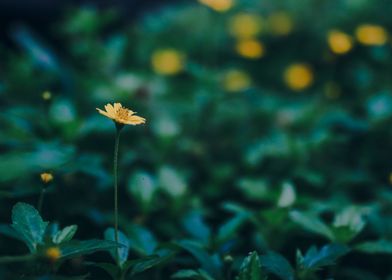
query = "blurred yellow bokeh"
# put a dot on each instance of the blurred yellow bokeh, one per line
(167, 61)
(249, 48)
(245, 25)
(218, 5)
(298, 76)
(236, 80)
(371, 34)
(339, 42)
(280, 23)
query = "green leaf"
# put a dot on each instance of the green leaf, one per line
(326, 256)
(123, 240)
(64, 235)
(312, 223)
(77, 248)
(141, 239)
(198, 274)
(277, 265)
(231, 227)
(209, 263)
(375, 247)
(9, 231)
(250, 268)
(29, 224)
(348, 224)
(194, 224)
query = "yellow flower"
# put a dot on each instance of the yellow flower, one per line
(167, 61)
(245, 25)
(46, 177)
(236, 80)
(46, 95)
(121, 115)
(280, 23)
(250, 48)
(53, 253)
(339, 42)
(298, 76)
(218, 5)
(371, 34)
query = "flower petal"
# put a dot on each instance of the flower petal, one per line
(134, 120)
(105, 113)
(117, 106)
(109, 108)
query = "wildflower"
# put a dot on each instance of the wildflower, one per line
(218, 5)
(245, 25)
(46, 177)
(236, 80)
(371, 34)
(250, 48)
(339, 42)
(53, 254)
(46, 95)
(121, 115)
(298, 76)
(167, 62)
(280, 23)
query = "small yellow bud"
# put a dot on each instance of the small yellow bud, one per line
(280, 23)
(53, 253)
(250, 48)
(371, 34)
(167, 61)
(245, 25)
(46, 177)
(46, 95)
(298, 76)
(339, 42)
(218, 5)
(236, 80)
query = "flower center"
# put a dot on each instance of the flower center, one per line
(122, 113)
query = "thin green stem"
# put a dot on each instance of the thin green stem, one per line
(41, 200)
(115, 167)
(11, 259)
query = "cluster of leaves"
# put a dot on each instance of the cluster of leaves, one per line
(299, 179)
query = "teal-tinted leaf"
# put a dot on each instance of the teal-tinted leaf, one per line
(231, 227)
(58, 277)
(123, 240)
(64, 235)
(327, 255)
(192, 274)
(277, 265)
(348, 224)
(141, 239)
(312, 223)
(250, 268)
(209, 263)
(375, 247)
(195, 225)
(161, 256)
(29, 224)
(77, 248)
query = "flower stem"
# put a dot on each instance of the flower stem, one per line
(41, 200)
(11, 259)
(115, 167)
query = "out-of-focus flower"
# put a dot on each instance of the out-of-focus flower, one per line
(46, 177)
(339, 42)
(53, 253)
(167, 61)
(121, 115)
(46, 95)
(332, 90)
(236, 80)
(298, 76)
(280, 23)
(371, 34)
(250, 48)
(245, 25)
(218, 5)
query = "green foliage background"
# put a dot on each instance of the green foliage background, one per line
(300, 179)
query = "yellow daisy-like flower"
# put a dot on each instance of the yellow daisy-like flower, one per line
(339, 42)
(121, 115)
(53, 253)
(218, 5)
(250, 48)
(46, 177)
(167, 61)
(371, 34)
(236, 80)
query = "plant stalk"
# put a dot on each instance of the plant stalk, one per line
(115, 167)
(41, 200)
